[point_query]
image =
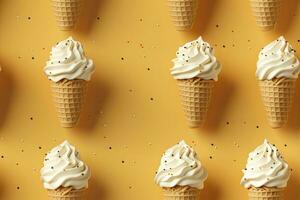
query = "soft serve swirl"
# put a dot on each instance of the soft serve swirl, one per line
(67, 61)
(266, 168)
(277, 60)
(63, 168)
(180, 167)
(196, 59)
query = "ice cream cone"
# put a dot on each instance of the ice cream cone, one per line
(196, 96)
(265, 193)
(181, 193)
(265, 12)
(277, 95)
(66, 12)
(68, 98)
(66, 194)
(183, 13)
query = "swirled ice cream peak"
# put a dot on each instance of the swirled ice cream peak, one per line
(266, 168)
(277, 60)
(68, 61)
(63, 168)
(196, 60)
(180, 166)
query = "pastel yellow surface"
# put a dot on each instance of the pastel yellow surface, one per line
(132, 109)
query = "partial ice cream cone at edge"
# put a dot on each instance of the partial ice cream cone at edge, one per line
(196, 97)
(265, 193)
(69, 97)
(181, 193)
(66, 13)
(63, 193)
(183, 13)
(265, 12)
(277, 96)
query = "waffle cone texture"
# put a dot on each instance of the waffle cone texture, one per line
(277, 96)
(181, 193)
(265, 193)
(196, 97)
(183, 13)
(66, 13)
(265, 12)
(66, 194)
(68, 97)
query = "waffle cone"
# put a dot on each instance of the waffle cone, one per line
(66, 194)
(181, 193)
(66, 12)
(183, 13)
(265, 12)
(196, 96)
(68, 98)
(265, 193)
(277, 96)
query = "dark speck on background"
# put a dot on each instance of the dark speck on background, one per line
(29, 18)
(257, 126)
(217, 26)
(227, 123)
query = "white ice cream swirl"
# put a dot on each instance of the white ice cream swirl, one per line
(63, 168)
(180, 167)
(277, 60)
(196, 59)
(68, 61)
(266, 168)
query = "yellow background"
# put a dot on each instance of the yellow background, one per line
(132, 109)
